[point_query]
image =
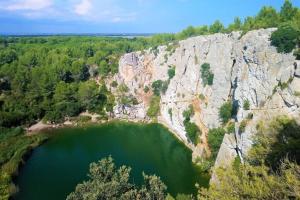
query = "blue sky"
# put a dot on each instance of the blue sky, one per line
(121, 16)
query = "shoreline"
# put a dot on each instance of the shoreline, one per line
(45, 130)
(42, 127)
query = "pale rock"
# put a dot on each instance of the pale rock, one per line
(245, 68)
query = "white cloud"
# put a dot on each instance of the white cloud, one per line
(28, 5)
(96, 11)
(83, 8)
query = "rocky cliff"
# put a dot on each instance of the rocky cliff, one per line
(245, 67)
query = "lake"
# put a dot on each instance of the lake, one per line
(56, 167)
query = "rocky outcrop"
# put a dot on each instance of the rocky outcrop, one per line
(245, 67)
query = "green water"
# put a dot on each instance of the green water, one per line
(55, 168)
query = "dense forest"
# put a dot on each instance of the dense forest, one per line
(53, 77)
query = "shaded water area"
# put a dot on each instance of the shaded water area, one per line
(55, 168)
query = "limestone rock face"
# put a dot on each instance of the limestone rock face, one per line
(245, 68)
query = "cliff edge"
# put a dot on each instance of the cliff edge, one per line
(246, 68)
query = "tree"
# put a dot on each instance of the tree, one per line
(215, 139)
(192, 131)
(216, 27)
(157, 86)
(171, 72)
(287, 11)
(246, 105)
(225, 112)
(255, 182)
(285, 38)
(235, 26)
(266, 18)
(206, 75)
(80, 71)
(90, 97)
(7, 56)
(108, 182)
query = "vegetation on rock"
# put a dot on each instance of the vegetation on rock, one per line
(215, 138)
(225, 112)
(271, 171)
(192, 130)
(154, 107)
(206, 75)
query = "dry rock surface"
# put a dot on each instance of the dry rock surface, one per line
(245, 68)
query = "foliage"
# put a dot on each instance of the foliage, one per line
(216, 27)
(191, 128)
(201, 97)
(188, 113)
(159, 87)
(171, 72)
(246, 105)
(114, 84)
(285, 38)
(170, 113)
(146, 89)
(13, 147)
(107, 182)
(225, 111)
(215, 138)
(128, 100)
(230, 128)
(271, 170)
(154, 107)
(206, 75)
(243, 125)
(276, 142)
(123, 88)
(255, 182)
(192, 131)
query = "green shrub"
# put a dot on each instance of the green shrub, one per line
(201, 97)
(114, 84)
(146, 89)
(84, 119)
(225, 112)
(123, 88)
(156, 87)
(215, 138)
(187, 114)
(243, 125)
(128, 100)
(160, 86)
(165, 86)
(206, 75)
(192, 131)
(170, 113)
(154, 107)
(106, 181)
(246, 105)
(230, 128)
(171, 72)
(285, 38)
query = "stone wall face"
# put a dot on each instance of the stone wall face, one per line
(245, 68)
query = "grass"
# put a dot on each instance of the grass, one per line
(13, 148)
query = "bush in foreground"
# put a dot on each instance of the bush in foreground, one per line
(108, 182)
